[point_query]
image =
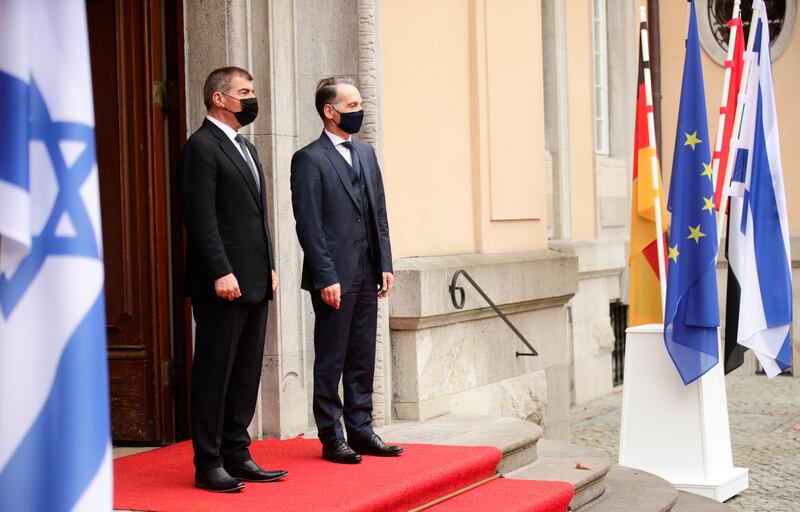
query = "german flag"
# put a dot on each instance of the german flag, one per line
(645, 287)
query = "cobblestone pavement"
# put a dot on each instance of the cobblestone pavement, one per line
(765, 433)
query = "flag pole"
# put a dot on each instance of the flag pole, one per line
(737, 125)
(651, 143)
(723, 113)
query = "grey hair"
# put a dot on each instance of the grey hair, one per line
(220, 80)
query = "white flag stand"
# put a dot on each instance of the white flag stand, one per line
(680, 433)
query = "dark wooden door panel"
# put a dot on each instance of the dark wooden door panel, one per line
(126, 60)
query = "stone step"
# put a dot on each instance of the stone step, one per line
(688, 502)
(559, 461)
(628, 490)
(516, 439)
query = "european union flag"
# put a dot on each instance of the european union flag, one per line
(692, 312)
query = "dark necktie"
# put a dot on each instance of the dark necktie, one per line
(353, 157)
(250, 163)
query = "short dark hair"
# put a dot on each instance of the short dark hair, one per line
(219, 80)
(327, 90)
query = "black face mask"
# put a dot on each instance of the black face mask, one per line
(249, 110)
(350, 122)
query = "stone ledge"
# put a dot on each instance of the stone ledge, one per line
(597, 258)
(630, 489)
(516, 439)
(557, 461)
(416, 323)
(688, 502)
(422, 284)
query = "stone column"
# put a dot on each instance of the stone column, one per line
(368, 85)
(286, 380)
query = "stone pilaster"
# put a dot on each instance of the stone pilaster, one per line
(368, 85)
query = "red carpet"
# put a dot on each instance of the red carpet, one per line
(511, 496)
(163, 479)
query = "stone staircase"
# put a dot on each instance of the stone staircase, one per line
(600, 485)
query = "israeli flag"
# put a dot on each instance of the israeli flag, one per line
(758, 250)
(55, 452)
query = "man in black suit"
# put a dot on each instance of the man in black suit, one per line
(340, 210)
(230, 277)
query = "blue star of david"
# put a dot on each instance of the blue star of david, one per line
(68, 200)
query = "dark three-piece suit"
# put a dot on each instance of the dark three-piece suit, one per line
(340, 213)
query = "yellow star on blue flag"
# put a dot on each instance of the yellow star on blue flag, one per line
(691, 139)
(695, 234)
(708, 171)
(691, 313)
(674, 253)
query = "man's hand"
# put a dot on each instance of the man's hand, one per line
(227, 287)
(387, 286)
(274, 281)
(332, 295)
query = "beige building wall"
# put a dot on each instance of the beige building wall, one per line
(463, 126)
(786, 76)
(581, 108)
(427, 129)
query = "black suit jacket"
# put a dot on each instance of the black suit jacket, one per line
(327, 214)
(225, 217)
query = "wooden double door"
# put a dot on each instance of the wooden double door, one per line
(137, 76)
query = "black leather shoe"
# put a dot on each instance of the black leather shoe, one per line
(249, 471)
(340, 452)
(217, 480)
(374, 445)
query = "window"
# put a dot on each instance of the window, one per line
(720, 12)
(600, 76)
(713, 16)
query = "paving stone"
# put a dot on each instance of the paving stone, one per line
(765, 436)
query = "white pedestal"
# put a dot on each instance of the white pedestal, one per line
(680, 433)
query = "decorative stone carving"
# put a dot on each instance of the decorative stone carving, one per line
(368, 85)
(367, 70)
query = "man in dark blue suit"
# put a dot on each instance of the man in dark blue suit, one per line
(340, 210)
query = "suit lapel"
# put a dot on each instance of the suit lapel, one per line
(236, 158)
(263, 177)
(244, 170)
(340, 165)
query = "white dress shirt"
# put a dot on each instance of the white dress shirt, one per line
(231, 133)
(337, 143)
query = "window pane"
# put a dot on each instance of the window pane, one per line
(598, 36)
(598, 68)
(598, 101)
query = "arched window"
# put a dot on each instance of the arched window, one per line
(713, 17)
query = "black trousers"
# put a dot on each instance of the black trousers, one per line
(344, 347)
(229, 348)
